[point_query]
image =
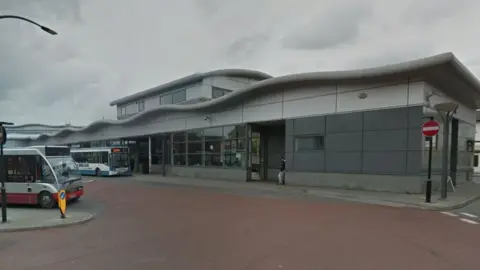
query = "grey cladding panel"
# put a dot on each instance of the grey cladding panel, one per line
(347, 122)
(385, 140)
(289, 126)
(344, 141)
(414, 161)
(385, 119)
(415, 139)
(344, 162)
(313, 161)
(385, 162)
(415, 115)
(289, 161)
(289, 144)
(309, 125)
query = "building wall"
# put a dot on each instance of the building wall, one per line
(466, 131)
(275, 105)
(373, 142)
(229, 83)
(194, 91)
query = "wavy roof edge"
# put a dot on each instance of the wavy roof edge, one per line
(42, 125)
(329, 76)
(244, 73)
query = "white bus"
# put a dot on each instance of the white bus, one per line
(35, 178)
(105, 161)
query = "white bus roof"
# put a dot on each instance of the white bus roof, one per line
(22, 151)
(98, 149)
(59, 146)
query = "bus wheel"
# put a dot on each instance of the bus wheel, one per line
(45, 200)
(97, 172)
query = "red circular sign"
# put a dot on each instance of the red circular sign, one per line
(430, 128)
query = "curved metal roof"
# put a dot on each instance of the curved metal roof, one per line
(41, 125)
(243, 73)
(412, 67)
(14, 136)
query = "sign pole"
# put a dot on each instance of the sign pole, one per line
(3, 191)
(429, 130)
(428, 191)
(3, 174)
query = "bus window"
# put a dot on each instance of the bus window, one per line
(475, 161)
(47, 174)
(20, 169)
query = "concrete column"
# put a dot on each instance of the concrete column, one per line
(149, 154)
(248, 152)
(137, 156)
(164, 154)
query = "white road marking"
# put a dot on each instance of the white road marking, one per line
(469, 215)
(449, 214)
(468, 221)
(87, 181)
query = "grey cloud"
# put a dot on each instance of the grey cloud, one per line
(427, 12)
(336, 26)
(100, 55)
(246, 47)
(391, 55)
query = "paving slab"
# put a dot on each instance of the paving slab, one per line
(23, 219)
(466, 192)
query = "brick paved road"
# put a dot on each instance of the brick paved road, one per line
(152, 227)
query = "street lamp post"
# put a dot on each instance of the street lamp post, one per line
(3, 140)
(44, 28)
(446, 111)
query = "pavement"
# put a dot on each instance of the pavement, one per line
(466, 192)
(146, 225)
(24, 218)
(21, 219)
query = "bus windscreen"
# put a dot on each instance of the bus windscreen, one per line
(52, 151)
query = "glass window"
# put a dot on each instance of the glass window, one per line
(157, 159)
(141, 106)
(234, 145)
(230, 132)
(213, 133)
(195, 148)
(179, 137)
(213, 160)
(234, 159)
(309, 143)
(179, 148)
(195, 160)
(213, 146)
(47, 174)
(217, 92)
(179, 159)
(20, 168)
(195, 135)
(167, 99)
(475, 161)
(179, 96)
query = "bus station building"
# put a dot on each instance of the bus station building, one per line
(355, 129)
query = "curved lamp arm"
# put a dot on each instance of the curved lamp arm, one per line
(44, 28)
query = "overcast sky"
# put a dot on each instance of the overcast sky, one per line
(107, 49)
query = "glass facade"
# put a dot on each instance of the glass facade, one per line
(219, 92)
(217, 147)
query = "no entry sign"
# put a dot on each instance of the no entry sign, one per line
(430, 128)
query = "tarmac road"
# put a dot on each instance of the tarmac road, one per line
(161, 227)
